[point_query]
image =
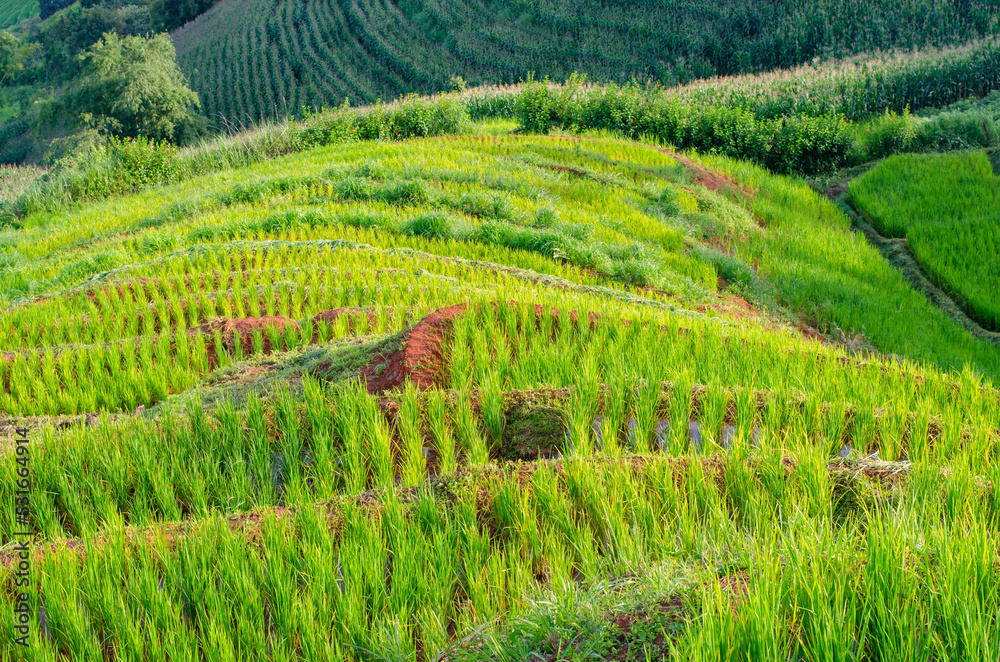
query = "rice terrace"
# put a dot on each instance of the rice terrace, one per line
(499, 331)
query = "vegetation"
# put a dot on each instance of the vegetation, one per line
(559, 371)
(12, 11)
(947, 207)
(616, 485)
(132, 87)
(308, 54)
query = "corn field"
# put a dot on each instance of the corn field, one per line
(264, 58)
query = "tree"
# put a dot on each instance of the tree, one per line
(49, 7)
(132, 86)
(13, 55)
(172, 14)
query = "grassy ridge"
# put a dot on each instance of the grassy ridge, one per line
(267, 58)
(948, 209)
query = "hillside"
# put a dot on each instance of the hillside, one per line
(264, 58)
(481, 397)
(12, 11)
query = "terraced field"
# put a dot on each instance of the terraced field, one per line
(482, 398)
(948, 209)
(12, 11)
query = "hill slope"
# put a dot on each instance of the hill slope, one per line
(12, 11)
(406, 400)
(257, 58)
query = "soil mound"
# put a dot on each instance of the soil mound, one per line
(713, 181)
(353, 316)
(420, 359)
(245, 327)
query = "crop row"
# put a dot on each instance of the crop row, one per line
(318, 440)
(270, 59)
(390, 575)
(947, 207)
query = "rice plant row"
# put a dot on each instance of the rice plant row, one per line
(947, 207)
(614, 405)
(764, 561)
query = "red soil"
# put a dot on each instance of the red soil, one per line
(331, 316)
(711, 180)
(421, 358)
(245, 326)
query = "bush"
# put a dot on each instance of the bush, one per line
(534, 107)
(434, 225)
(118, 167)
(957, 130)
(327, 128)
(884, 136)
(795, 144)
(808, 145)
(142, 161)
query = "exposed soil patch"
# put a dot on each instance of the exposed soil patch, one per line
(246, 328)
(811, 333)
(353, 315)
(573, 171)
(734, 306)
(736, 587)
(711, 180)
(636, 630)
(420, 359)
(836, 190)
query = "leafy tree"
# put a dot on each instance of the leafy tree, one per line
(132, 86)
(49, 7)
(14, 53)
(172, 14)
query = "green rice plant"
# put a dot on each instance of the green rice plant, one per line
(492, 405)
(945, 206)
(347, 416)
(474, 446)
(444, 440)
(410, 430)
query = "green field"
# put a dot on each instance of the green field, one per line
(268, 58)
(12, 11)
(481, 397)
(948, 209)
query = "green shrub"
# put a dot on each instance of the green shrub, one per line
(957, 130)
(413, 192)
(495, 207)
(791, 144)
(327, 128)
(535, 107)
(808, 145)
(363, 219)
(434, 225)
(883, 136)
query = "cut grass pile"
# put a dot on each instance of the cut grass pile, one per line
(947, 207)
(473, 398)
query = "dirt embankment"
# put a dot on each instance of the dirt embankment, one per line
(420, 359)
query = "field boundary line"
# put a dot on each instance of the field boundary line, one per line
(899, 255)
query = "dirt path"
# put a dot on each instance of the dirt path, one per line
(899, 255)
